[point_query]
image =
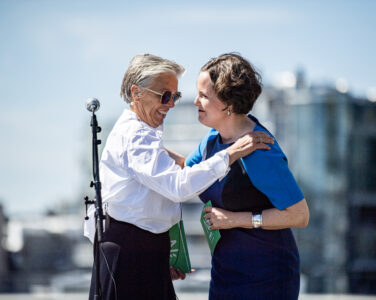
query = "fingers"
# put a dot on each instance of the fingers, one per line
(263, 137)
(177, 274)
(208, 209)
(207, 216)
(207, 219)
(261, 146)
(260, 137)
(173, 273)
(181, 274)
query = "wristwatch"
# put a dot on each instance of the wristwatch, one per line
(257, 220)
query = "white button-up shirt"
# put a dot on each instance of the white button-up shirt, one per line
(141, 183)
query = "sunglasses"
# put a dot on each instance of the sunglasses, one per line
(166, 96)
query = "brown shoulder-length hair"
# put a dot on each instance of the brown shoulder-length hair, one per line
(235, 81)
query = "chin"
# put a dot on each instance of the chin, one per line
(203, 122)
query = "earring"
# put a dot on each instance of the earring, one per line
(229, 112)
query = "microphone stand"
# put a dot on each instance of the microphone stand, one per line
(98, 204)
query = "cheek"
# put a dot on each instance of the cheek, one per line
(156, 106)
(213, 110)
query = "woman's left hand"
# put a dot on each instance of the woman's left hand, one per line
(219, 218)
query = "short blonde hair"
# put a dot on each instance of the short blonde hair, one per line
(143, 70)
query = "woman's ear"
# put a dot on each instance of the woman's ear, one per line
(230, 108)
(135, 93)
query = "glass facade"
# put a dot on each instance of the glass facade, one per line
(329, 139)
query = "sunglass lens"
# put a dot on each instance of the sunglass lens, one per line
(166, 97)
(176, 97)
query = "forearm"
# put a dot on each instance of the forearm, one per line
(296, 215)
(175, 183)
(274, 219)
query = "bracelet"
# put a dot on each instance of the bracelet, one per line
(257, 220)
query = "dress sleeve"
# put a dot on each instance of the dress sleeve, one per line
(195, 157)
(199, 153)
(148, 162)
(269, 173)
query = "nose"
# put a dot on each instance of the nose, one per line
(196, 102)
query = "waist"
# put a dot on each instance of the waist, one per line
(134, 239)
(128, 227)
(153, 218)
(273, 240)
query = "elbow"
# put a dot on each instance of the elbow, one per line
(303, 222)
(299, 214)
(176, 199)
(179, 197)
(303, 219)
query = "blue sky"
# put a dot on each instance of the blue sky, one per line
(56, 54)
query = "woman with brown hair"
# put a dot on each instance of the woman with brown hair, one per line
(257, 202)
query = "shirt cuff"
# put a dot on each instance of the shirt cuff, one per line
(222, 168)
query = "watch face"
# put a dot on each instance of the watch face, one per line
(257, 220)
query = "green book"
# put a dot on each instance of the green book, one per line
(212, 235)
(179, 256)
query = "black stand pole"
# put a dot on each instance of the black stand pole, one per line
(98, 205)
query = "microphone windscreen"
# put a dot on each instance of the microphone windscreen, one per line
(92, 104)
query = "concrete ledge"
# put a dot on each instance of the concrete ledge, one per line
(182, 296)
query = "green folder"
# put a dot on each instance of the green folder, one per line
(179, 256)
(212, 235)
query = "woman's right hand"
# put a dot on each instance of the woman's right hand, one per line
(176, 274)
(249, 143)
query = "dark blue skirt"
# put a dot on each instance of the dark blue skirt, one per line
(255, 264)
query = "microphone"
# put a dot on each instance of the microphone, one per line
(92, 104)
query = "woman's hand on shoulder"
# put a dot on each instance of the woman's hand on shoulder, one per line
(248, 143)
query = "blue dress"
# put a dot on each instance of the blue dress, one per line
(252, 263)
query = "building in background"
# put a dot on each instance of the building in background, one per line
(4, 255)
(48, 253)
(330, 140)
(361, 195)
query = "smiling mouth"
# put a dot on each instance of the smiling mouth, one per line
(163, 113)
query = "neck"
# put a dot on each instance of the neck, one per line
(235, 126)
(140, 113)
